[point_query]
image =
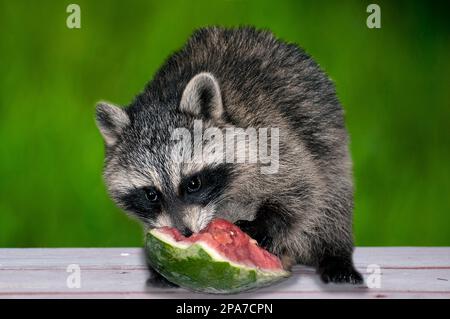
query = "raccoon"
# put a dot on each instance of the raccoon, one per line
(239, 77)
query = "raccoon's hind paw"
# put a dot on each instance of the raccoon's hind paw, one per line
(341, 271)
(156, 280)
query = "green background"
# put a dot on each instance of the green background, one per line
(393, 83)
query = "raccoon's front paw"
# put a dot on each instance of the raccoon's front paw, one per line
(247, 226)
(255, 231)
(337, 270)
(156, 280)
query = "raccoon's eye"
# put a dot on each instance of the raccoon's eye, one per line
(194, 184)
(151, 195)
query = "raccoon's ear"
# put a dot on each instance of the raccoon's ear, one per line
(202, 97)
(111, 120)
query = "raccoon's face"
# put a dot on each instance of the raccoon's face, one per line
(157, 176)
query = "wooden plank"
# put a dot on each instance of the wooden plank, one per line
(406, 272)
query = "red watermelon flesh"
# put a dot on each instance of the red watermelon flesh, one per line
(230, 242)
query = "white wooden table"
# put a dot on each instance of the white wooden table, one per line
(406, 272)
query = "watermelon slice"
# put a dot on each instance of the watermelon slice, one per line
(219, 259)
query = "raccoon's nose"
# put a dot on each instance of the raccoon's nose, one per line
(186, 232)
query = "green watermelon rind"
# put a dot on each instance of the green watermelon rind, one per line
(198, 267)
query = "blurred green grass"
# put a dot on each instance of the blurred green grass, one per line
(393, 83)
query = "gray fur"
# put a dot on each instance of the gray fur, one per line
(255, 80)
